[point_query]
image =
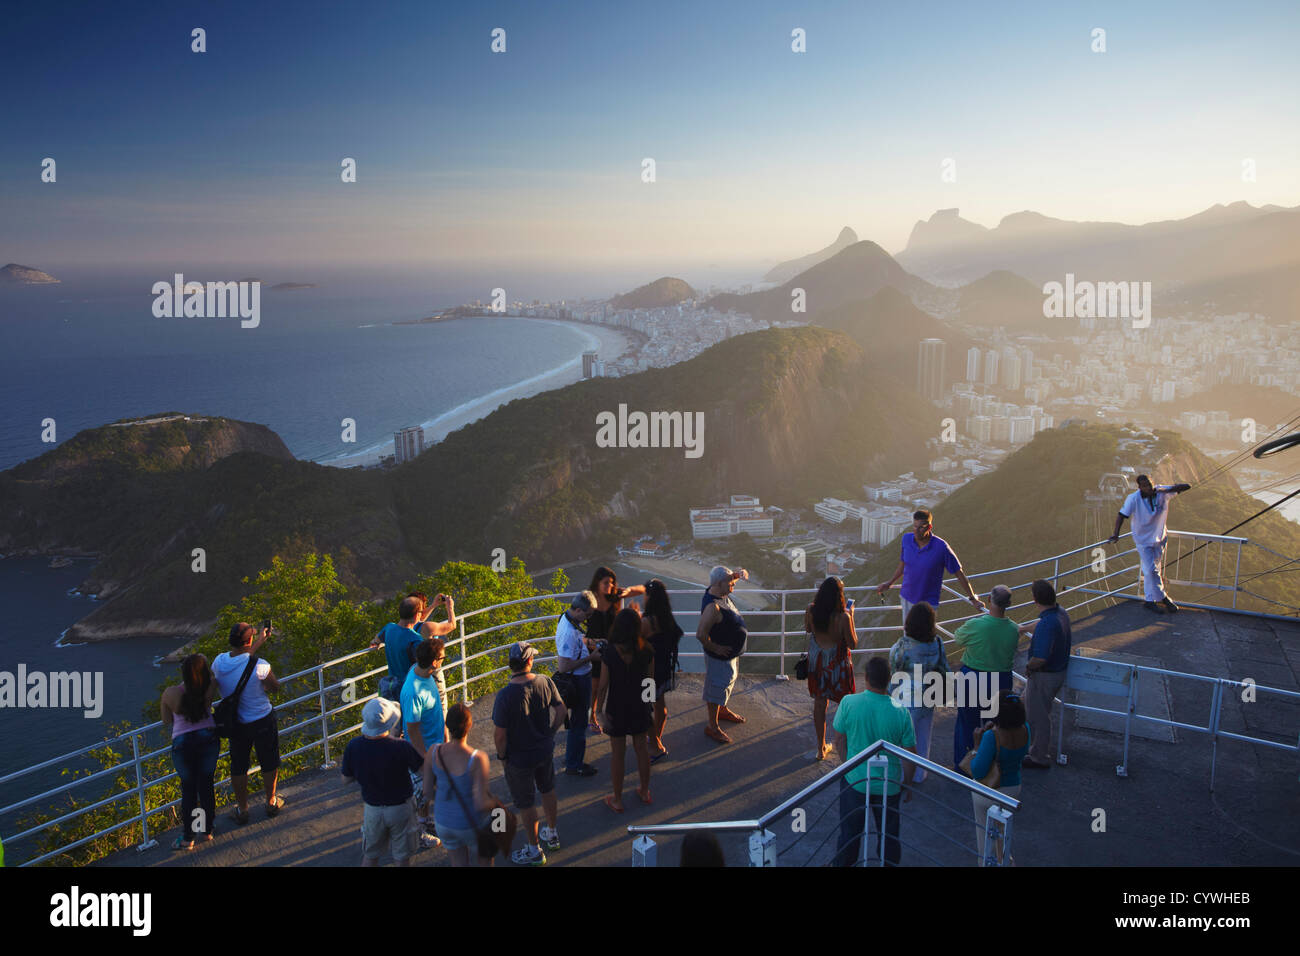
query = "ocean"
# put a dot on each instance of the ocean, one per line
(83, 357)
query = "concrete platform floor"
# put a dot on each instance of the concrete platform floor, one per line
(1163, 813)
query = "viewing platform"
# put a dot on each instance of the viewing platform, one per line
(1163, 812)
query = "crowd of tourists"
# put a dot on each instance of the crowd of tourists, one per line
(422, 785)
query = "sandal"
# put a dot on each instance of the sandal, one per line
(644, 797)
(655, 758)
(730, 717)
(717, 735)
(180, 843)
(240, 816)
(609, 802)
(273, 808)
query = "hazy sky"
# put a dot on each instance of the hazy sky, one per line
(534, 155)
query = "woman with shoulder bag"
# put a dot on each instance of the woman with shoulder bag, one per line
(462, 804)
(1002, 743)
(920, 646)
(832, 637)
(187, 712)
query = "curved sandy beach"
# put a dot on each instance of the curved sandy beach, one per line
(610, 342)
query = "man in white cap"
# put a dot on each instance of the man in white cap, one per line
(721, 632)
(383, 764)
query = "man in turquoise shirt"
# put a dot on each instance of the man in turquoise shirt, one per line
(422, 714)
(863, 719)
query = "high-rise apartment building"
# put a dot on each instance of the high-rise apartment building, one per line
(930, 369)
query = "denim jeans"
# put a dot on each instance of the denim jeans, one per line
(853, 804)
(195, 757)
(968, 718)
(575, 748)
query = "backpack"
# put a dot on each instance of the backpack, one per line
(225, 714)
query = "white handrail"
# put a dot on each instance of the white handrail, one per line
(324, 712)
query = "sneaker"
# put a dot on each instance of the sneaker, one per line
(1170, 606)
(528, 856)
(586, 770)
(549, 837)
(1153, 607)
(429, 842)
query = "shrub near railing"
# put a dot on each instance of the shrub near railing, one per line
(315, 622)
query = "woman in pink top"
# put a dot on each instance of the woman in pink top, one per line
(187, 713)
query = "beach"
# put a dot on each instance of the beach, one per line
(609, 341)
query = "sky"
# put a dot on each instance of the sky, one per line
(467, 158)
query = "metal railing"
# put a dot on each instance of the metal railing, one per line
(871, 827)
(1093, 585)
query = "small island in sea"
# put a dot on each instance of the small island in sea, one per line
(14, 274)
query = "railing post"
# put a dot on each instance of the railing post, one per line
(1216, 710)
(145, 842)
(1056, 574)
(464, 664)
(878, 762)
(781, 674)
(762, 848)
(997, 819)
(1236, 584)
(324, 721)
(644, 851)
(1122, 769)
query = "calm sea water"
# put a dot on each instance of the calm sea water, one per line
(83, 356)
(38, 608)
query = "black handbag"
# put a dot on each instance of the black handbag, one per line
(225, 716)
(801, 668)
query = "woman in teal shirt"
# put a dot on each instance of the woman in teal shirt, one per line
(1006, 740)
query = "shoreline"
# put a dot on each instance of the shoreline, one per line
(610, 342)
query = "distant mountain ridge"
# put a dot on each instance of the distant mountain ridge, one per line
(15, 274)
(655, 295)
(1234, 254)
(784, 271)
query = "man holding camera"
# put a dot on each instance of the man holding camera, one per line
(255, 723)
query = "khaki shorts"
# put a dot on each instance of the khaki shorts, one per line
(385, 826)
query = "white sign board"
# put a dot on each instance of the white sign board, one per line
(1099, 676)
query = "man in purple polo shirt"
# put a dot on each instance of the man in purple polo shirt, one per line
(921, 564)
